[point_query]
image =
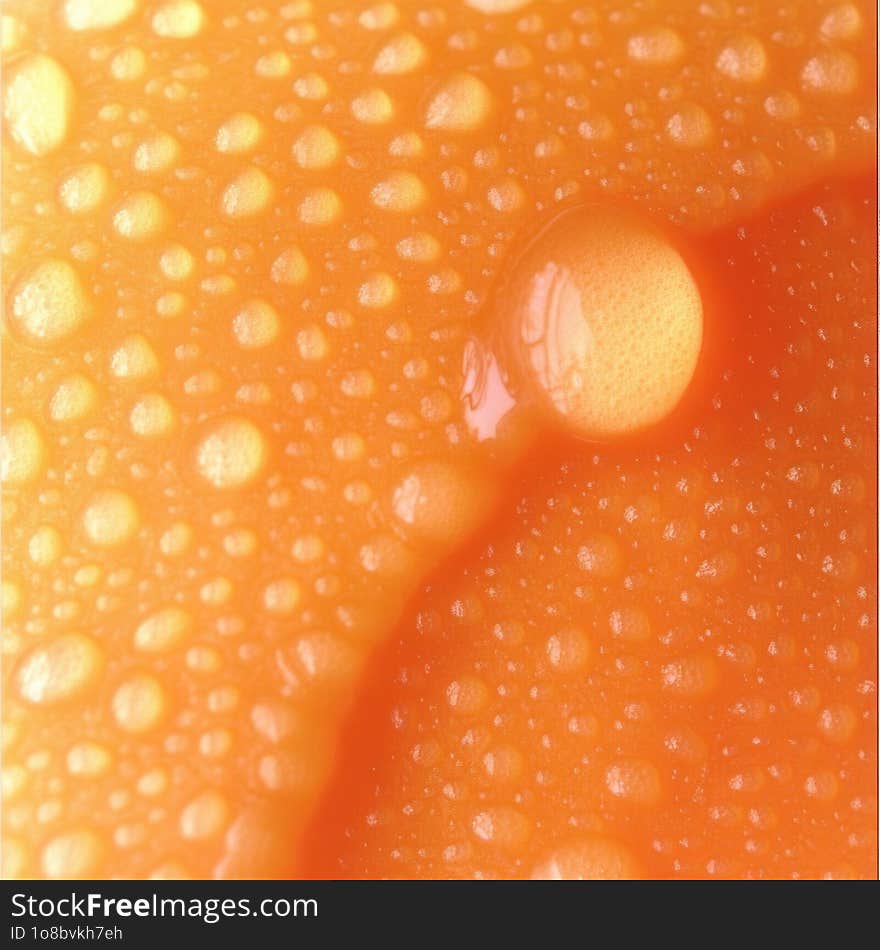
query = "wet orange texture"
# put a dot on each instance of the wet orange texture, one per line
(276, 601)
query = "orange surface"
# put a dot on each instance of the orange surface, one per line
(247, 250)
(658, 659)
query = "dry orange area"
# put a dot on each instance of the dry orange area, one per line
(245, 249)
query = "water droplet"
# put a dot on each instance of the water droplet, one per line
(38, 103)
(84, 188)
(140, 216)
(232, 454)
(399, 192)
(316, 147)
(403, 54)
(372, 107)
(97, 14)
(467, 695)
(838, 723)
(503, 827)
(692, 676)
(49, 303)
(461, 104)
(89, 759)
(239, 134)
(139, 703)
(178, 19)
(163, 630)
(743, 59)
(379, 290)
(128, 64)
(320, 206)
(75, 397)
(658, 46)
(591, 858)
(843, 22)
(23, 452)
(134, 359)
(45, 546)
(290, 267)
(60, 670)
(205, 816)
(248, 194)
(274, 65)
(156, 154)
(831, 72)
(493, 7)
(569, 650)
(690, 126)
(281, 596)
(601, 322)
(111, 518)
(73, 855)
(256, 324)
(634, 780)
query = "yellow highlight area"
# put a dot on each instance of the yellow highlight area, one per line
(38, 102)
(605, 320)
